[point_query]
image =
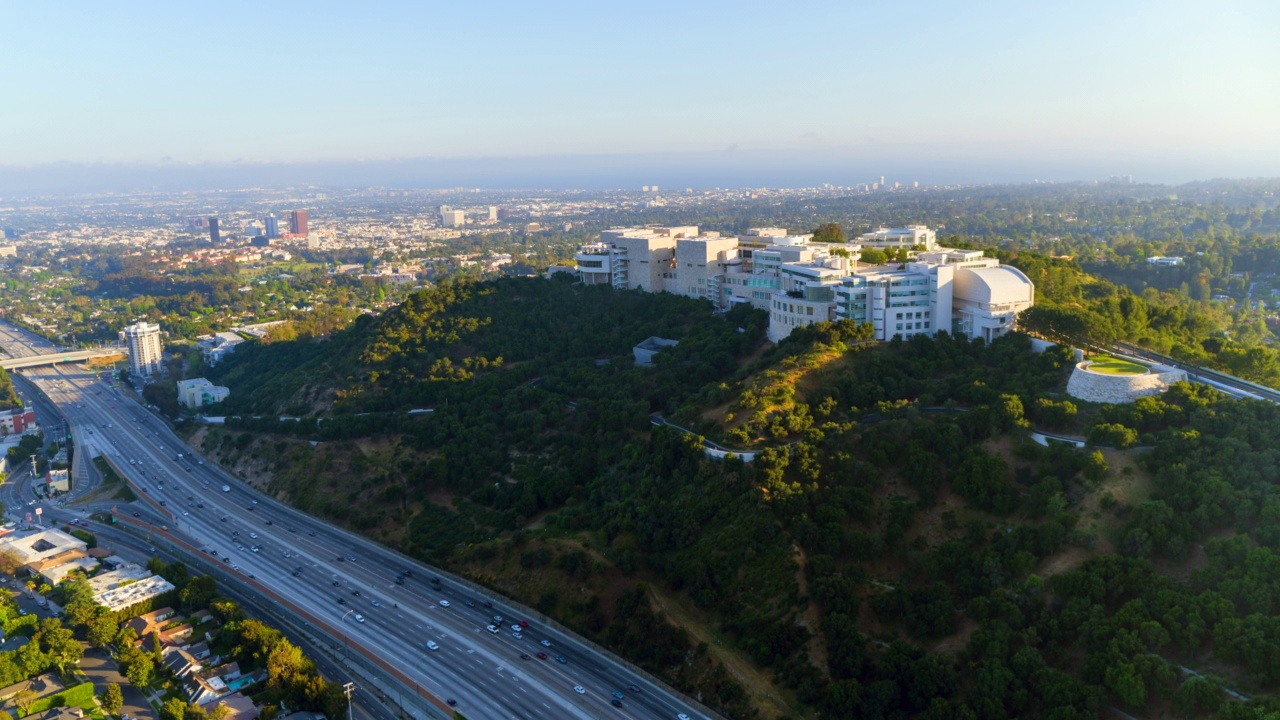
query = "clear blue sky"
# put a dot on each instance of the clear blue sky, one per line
(1160, 84)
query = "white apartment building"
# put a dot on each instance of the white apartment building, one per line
(910, 237)
(452, 218)
(145, 352)
(198, 392)
(801, 283)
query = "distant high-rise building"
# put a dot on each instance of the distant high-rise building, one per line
(644, 188)
(144, 348)
(214, 236)
(493, 212)
(197, 223)
(273, 226)
(452, 218)
(506, 213)
(298, 223)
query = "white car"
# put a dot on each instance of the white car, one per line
(184, 512)
(492, 628)
(253, 535)
(444, 603)
(377, 604)
(544, 643)
(359, 618)
(682, 716)
(431, 645)
(579, 689)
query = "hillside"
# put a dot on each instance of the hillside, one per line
(900, 547)
(8, 396)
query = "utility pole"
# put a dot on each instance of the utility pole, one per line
(349, 688)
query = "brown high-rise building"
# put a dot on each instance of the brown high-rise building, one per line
(298, 223)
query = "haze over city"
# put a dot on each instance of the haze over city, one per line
(508, 94)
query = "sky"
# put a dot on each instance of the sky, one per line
(604, 93)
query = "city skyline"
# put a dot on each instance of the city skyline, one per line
(676, 95)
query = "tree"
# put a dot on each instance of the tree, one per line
(112, 699)
(829, 233)
(10, 561)
(138, 667)
(24, 699)
(173, 709)
(219, 711)
(873, 256)
(101, 630)
(58, 642)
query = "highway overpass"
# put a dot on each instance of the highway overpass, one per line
(71, 356)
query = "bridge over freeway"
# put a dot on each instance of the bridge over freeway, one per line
(71, 356)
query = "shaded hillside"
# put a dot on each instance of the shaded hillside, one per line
(8, 396)
(899, 548)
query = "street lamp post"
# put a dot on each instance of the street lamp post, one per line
(348, 688)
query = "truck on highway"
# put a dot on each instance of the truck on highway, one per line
(226, 488)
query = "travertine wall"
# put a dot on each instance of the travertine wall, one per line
(1097, 387)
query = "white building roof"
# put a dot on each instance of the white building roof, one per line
(997, 285)
(41, 545)
(132, 594)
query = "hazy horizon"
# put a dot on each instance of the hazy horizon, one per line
(678, 94)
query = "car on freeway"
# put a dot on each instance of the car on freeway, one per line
(542, 656)
(682, 716)
(137, 514)
(615, 702)
(356, 593)
(524, 656)
(255, 502)
(524, 623)
(377, 604)
(517, 635)
(342, 601)
(471, 603)
(515, 628)
(184, 512)
(431, 645)
(359, 618)
(544, 643)
(579, 689)
(399, 581)
(560, 659)
(452, 702)
(492, 628)
(633, 688)
(352, 558)
(618, 694)
(497, 619)
(444, 603)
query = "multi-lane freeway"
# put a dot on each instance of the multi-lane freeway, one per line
(448, 639)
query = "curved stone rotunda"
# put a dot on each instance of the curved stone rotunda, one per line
(1110, 381)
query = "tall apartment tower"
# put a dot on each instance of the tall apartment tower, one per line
(144, 348)
(214, 236)
(273, 226)
(298, 223)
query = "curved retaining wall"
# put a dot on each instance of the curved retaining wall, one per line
(1086, 384)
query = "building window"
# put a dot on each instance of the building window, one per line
(926, 325)
(899, 326)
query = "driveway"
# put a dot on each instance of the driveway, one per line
(101, 670)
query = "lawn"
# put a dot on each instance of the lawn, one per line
(1115, 366)
(76, 696)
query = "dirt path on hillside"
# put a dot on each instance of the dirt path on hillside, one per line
(764, 694)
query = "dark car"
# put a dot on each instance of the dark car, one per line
(615, 702)
(488, 604)
(524, 656)
(451, 702)
(560, 659)
(542, 656)
(399, 581)
(342, 601)
(356, 593)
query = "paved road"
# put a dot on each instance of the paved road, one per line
(350, 582)
(100, 668)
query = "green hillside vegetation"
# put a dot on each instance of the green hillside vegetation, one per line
(899, 548)
(8, 396)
